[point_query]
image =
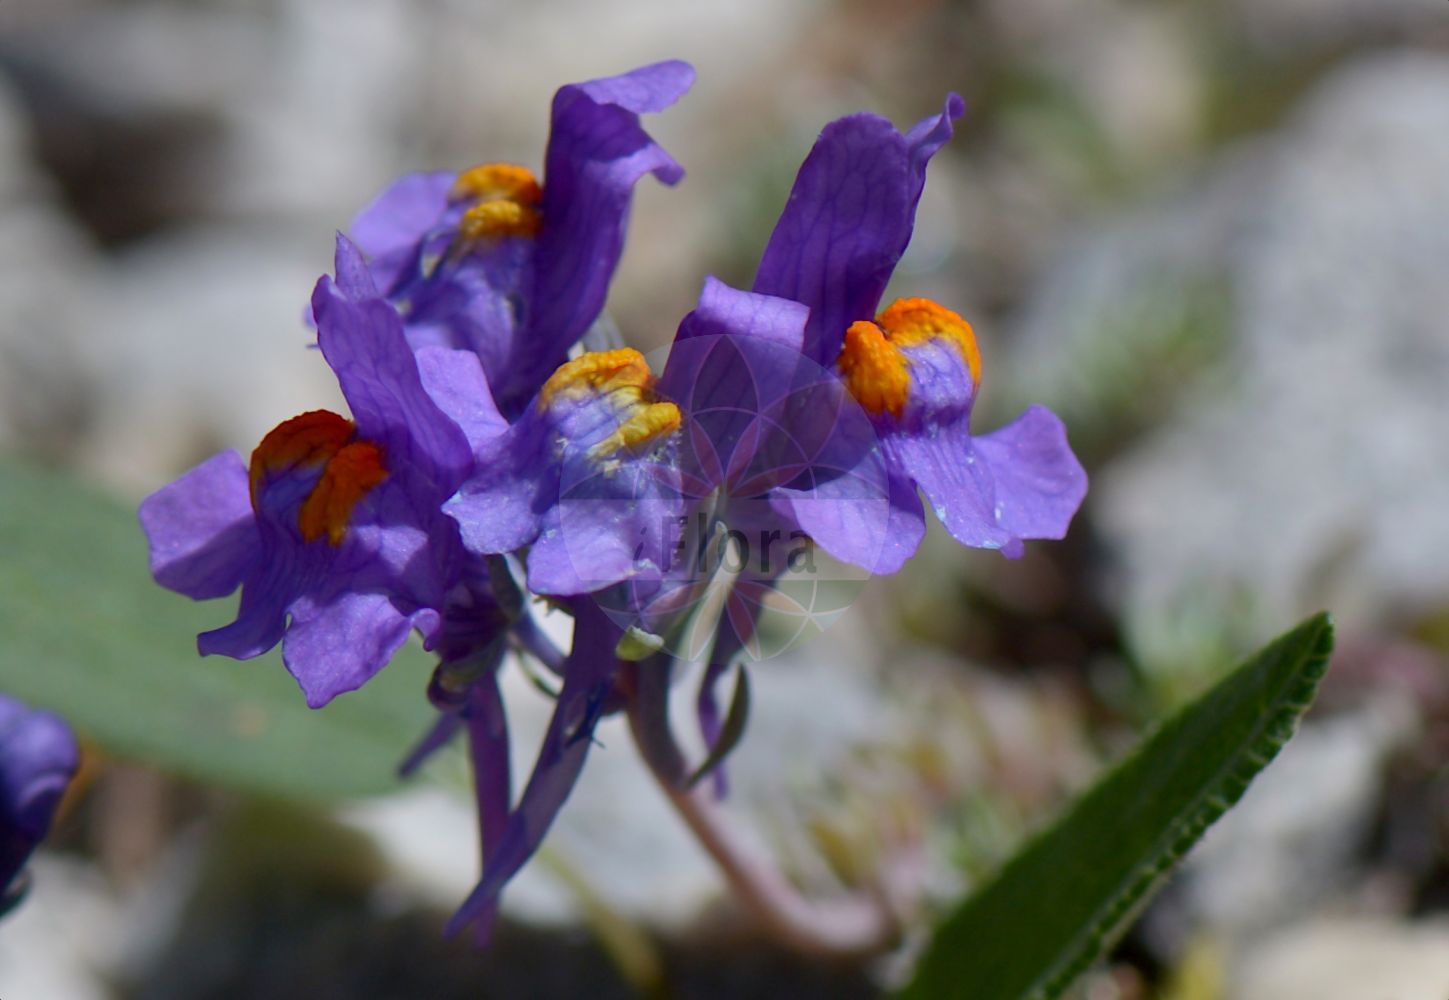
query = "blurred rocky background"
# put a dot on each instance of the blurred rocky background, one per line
(1214, 237)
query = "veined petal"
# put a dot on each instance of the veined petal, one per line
(724, 311)
(261, 617)
(201, 530)
(380, 542)
(771, 329)
(851, 518)
(413, 555)
(515, 481)
(815, 433)
(1039, 482)
(712, 380)
(597, 152)
(944, 464)
(334, 532)
(362, 339)
(848, 220)
(491, 261)
(333, 646)
(1024, 484)
(585, 476)
(927, 438)
(454, 380)
(390, 228)
(607, 530)
(481, 304)
(735, 358)
(843, 229)
(644, 90)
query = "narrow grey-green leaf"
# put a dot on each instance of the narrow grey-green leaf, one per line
(84, 632)
(1061, 900)
(730, 733)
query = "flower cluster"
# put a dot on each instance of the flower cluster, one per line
(486, 458)
(38, 757)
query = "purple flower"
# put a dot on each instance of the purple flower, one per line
(586, 478)
(622, 487)
(784, 414)
(516, 271)
(764, 425)
(38, 757)
(605, 475)
(914, 368)
(333, 531)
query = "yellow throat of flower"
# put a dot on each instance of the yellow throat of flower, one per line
(505, 201)
(624, 377)
(350, 469)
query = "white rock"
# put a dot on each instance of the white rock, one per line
(204, 345)
(62, 937)
(1316, 472)
(1349, 959)
(1289, 844)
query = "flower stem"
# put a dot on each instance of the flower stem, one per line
(855, 925)
(532, 639)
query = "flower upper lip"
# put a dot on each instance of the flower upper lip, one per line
(915, 368)
(848, 220)
(521, 303)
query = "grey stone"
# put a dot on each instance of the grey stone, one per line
(1317, 470)
(1299, 25)
(1289, 845)
(204, 346)
(48, 271)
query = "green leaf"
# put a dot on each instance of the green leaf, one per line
(86, 633)
(1061, 901)
(729, 735)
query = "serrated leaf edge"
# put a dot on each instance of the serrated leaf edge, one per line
(1274, 730)
(1222, 793)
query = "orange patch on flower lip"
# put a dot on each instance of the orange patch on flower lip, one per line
(909, 322)
(874, 365)
(646, 422)
(309, 439)
(624, 376)
(350, 469)
(348, 477)
(499, 218)
(598, 372)
(497, 180)
(505, 200)
(874, 369)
